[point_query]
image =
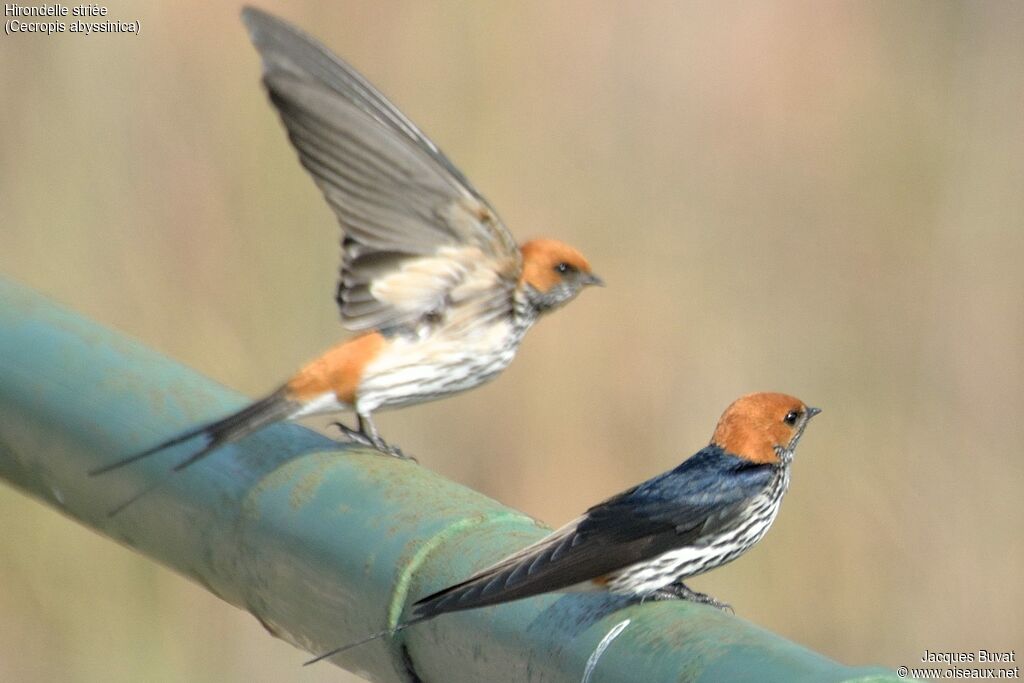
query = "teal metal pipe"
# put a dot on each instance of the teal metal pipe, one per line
(325, 543)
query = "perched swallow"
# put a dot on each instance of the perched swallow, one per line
(647, 540)
(431, 279)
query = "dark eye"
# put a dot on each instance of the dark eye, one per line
(791, 417)
(564, 268)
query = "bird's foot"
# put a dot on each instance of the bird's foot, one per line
(378, 444)
(354, 435)
(394, 451)
(680, 591)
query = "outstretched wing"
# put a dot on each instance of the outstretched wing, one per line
(667, 512)
(415, 229)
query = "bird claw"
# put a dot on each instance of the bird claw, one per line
(680, 591)
(394, 451)
(378, 444)
(354, 435)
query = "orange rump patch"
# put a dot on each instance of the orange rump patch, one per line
(340, 370)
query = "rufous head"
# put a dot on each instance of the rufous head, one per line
(764, 427)
(554, 273)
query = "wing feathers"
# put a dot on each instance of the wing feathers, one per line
(286, 49)
(393, 191)
(667, 512)
(545, 567)
(359, 166)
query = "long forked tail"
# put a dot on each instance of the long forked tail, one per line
(490, 586)
(255, 416)
(423, 610)
(363, 641)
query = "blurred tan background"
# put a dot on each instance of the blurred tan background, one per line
(825, 199)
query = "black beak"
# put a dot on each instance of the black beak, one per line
(811, 412)
(591, 279)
